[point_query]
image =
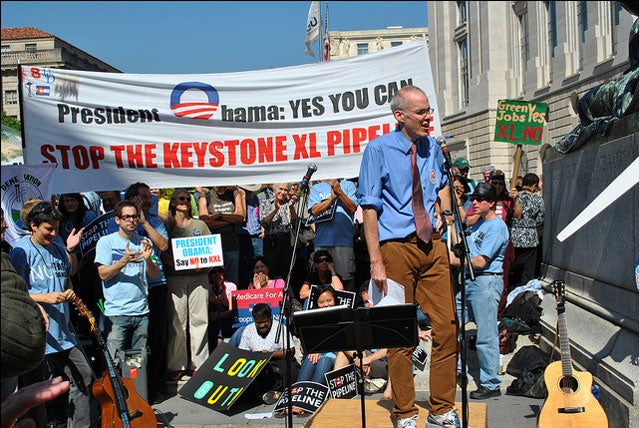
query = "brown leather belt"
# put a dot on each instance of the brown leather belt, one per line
(412, 238)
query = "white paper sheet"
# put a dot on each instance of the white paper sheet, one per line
(396, 294)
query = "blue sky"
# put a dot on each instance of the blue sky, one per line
(183, 37)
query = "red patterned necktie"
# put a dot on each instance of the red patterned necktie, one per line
(422, 222)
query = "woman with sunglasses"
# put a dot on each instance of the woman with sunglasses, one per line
(189, 290)
(46, 264)
(323, 274)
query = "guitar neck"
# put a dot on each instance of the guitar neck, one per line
(564, 343)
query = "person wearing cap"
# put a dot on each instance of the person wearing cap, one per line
(45, 263)
(487, 244)
(421, 263)
(461, 168)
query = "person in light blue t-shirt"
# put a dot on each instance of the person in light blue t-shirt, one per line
(335, 233)
(46, 265)
(487, 246)
(124, 262)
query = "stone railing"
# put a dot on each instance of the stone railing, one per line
(25, 57)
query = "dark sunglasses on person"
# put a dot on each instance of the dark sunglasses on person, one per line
(42, 208)
(479, 199)
(182, 198)
(323, 260)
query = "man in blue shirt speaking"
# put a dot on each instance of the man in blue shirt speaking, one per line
(404, 244)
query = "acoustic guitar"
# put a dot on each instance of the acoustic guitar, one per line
(121, 405)
(570, 402)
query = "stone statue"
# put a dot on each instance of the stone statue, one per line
(605, 104)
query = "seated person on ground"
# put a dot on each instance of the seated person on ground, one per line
(315, 365)
(259, 336)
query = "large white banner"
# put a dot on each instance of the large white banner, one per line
(106, 130)
(21, 183)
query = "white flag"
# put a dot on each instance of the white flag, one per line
(313, 25)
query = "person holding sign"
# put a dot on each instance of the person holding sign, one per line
(188, 313)
(324, 274)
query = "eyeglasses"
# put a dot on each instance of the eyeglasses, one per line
(423, 112)
(498, 183)
(182, 198)
(479, 199)
(128, 217)
(323, 260)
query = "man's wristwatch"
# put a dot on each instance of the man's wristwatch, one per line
(447, 212)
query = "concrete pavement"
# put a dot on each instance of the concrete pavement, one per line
(504, 411)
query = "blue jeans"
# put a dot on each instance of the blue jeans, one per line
(482, 301)
(126, 332)
(237, 337)
(258, 246)
(316, 372)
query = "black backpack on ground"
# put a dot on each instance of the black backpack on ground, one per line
(528, 366)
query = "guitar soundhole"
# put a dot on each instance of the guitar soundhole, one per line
(568, 384)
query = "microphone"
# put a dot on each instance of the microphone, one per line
(441, 141)
(307, 177)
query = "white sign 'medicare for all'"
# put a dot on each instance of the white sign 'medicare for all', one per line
(105, 131)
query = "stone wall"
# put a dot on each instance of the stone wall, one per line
(597, 265)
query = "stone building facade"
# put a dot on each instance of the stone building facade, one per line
(31, 47)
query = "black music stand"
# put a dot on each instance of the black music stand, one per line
(341, 328)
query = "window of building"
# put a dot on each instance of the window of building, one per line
(552, 26)
(583, 19)
(463, 72)
(6, 48)
(462, 12)
(393, 44)
(10, 97)
(30, 47)
(362, 48)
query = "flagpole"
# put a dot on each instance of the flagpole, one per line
(320, 39)
(326, 53)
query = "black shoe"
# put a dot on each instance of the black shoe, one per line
(482, 393)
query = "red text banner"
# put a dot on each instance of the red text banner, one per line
(105, 131)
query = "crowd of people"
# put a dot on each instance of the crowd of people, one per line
(179, 316)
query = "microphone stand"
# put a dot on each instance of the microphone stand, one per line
(459, 225)
(286, 309)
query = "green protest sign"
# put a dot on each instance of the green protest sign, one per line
(520, 122)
